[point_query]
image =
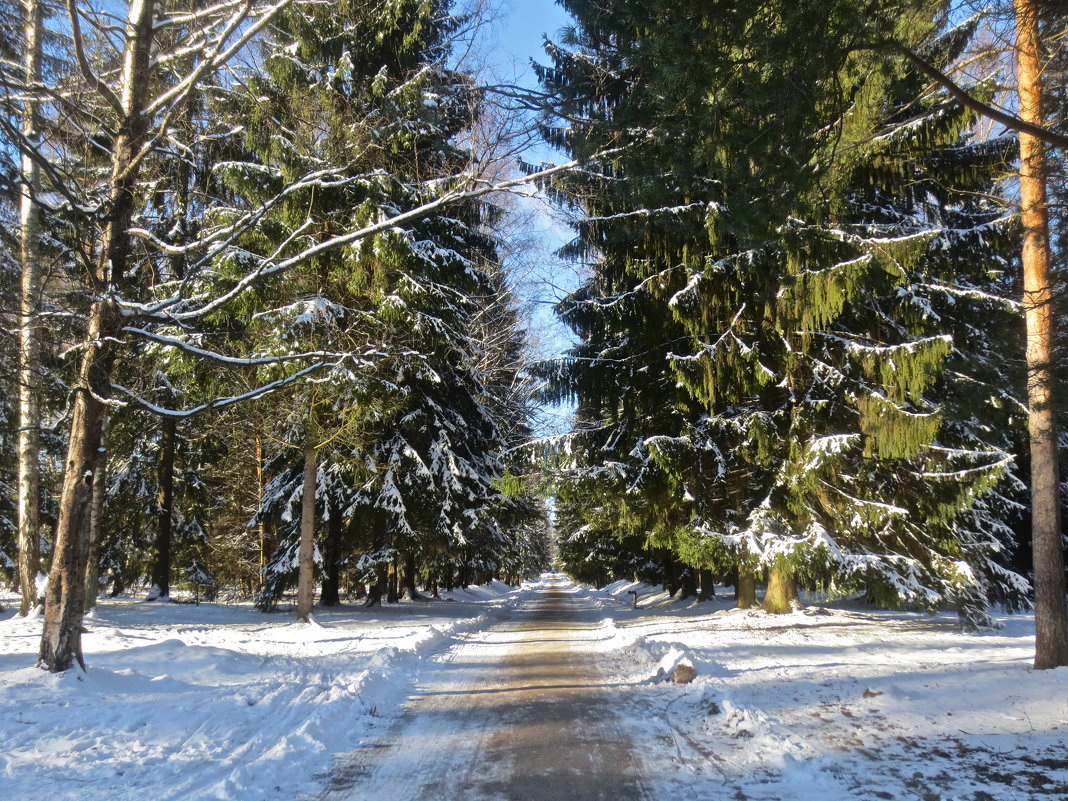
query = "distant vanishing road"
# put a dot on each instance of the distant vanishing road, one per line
(518, 711)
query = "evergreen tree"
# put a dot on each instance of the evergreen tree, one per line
(143, 456)
(366, 99)
(761, 338)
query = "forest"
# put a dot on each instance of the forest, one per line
(263, 336)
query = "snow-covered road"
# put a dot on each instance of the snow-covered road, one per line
(521, 710)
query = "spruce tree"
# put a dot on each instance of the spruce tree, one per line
(409, 435)
(766, 295)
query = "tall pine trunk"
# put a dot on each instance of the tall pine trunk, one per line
(65, 596)
(376, 586)
(306, 558)
(161, 557)
(330, 594)
(1051, 614)
(408, 588)
(392, 591)
(266, 541)
(707, 585)
(29, 438)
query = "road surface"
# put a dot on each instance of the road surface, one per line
(518, 711)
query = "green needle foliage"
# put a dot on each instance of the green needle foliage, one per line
(796, 273)
(356, 116)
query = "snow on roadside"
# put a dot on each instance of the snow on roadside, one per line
(835, 703)
(212, 701)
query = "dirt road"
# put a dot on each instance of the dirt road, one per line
(517, 712)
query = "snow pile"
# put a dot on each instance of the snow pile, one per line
(648, 596)
(213, 702)
(674, 665)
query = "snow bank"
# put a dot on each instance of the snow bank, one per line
(213, 702)
(223, 702)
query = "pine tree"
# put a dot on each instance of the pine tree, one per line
(1051, 610)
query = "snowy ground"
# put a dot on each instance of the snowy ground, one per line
(223, 702)
(839, 703)
(212, 701)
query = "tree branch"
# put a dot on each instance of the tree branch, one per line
(268, 267)
(985, 109)
(237, 361)
(220, 403)
(91, 77)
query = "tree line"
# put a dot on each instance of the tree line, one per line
(266, 321)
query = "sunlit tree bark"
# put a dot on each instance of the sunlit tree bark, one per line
(1051, 615)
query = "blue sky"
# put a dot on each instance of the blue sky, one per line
(520, 31)
(524, 24)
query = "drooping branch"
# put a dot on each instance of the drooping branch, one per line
(222, 403)
(235, 361)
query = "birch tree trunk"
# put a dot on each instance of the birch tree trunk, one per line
(1051, 614)
(65, 596)
(29, 439)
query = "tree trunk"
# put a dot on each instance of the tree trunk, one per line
(65, 597)
(782, 590)
(408, 589)
(266, 541)
(392, 593)
(96, 522)
(330, 595)
(671, 581)
(687, 582)
(1051, 614)
(707, 585)
(306, 566)
(376, 589)
(161, 558)
(745, 589)
(29, 437)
